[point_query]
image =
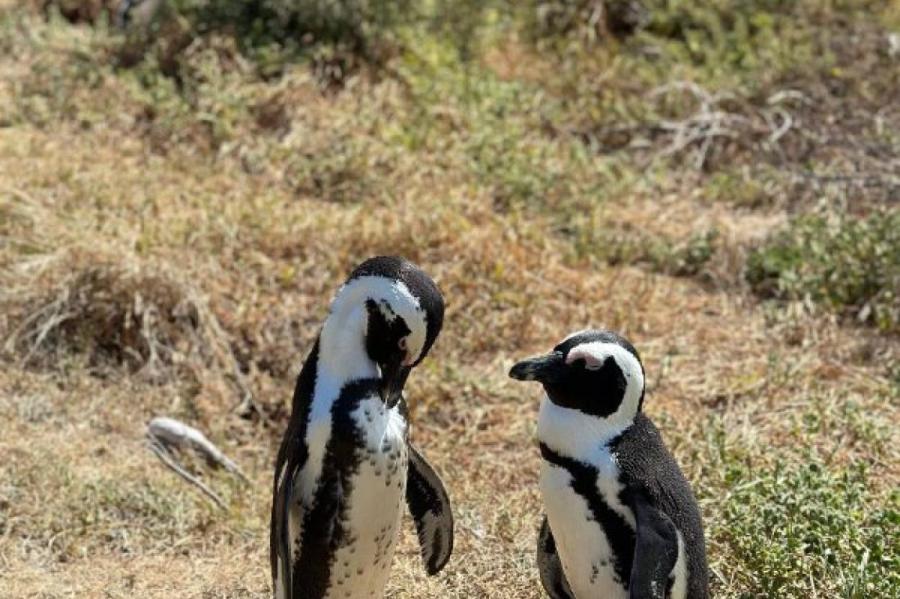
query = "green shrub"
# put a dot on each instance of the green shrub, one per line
(357, 23)
(588, 20)
(802, 524)
(756, 187)
(337, 36)
(850, 265)
(718, 36)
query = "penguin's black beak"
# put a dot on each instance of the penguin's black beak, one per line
(393, 379)
(546, 369)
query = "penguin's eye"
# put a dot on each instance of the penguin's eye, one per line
(588, 364)
(402, 343)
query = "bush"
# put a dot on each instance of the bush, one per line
(585, 19)
(850, 265)
(796, 523)
(358, 24)
(337, 36)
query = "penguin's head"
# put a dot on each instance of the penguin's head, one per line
(595, 372)
(399, 311)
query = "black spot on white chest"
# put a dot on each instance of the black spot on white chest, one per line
(373, 502)
(382, 436)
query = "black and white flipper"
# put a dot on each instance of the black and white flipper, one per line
(655, 551)
(550, 568)
(287, 514)
(429, 505)
(279, 542)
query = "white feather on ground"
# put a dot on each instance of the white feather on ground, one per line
(165, 434)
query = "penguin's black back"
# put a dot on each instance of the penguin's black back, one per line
(646, 465)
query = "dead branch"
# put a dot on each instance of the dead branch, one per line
(712, 120)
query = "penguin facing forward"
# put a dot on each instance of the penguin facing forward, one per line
(346, 465)
(621, 519)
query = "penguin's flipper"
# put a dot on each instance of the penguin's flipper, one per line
(655, 550)
(280, 542)
(552, 576)
(429, 505)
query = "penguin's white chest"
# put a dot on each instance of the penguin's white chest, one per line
(373, 501)
(585, 551)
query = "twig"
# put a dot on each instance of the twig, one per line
(781, 130)
(787, 94)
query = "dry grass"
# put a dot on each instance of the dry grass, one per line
(158, 267)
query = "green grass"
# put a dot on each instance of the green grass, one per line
(745, 188)
(805, 526)
(806, 514)
(850, 265)
(685, 258)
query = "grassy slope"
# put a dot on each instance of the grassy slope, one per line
(154, 241)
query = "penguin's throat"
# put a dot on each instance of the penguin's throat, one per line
(575, 434)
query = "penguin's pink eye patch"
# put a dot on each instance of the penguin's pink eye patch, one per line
(592, 361)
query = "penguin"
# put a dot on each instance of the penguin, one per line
(621, 519)
(346, 465)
